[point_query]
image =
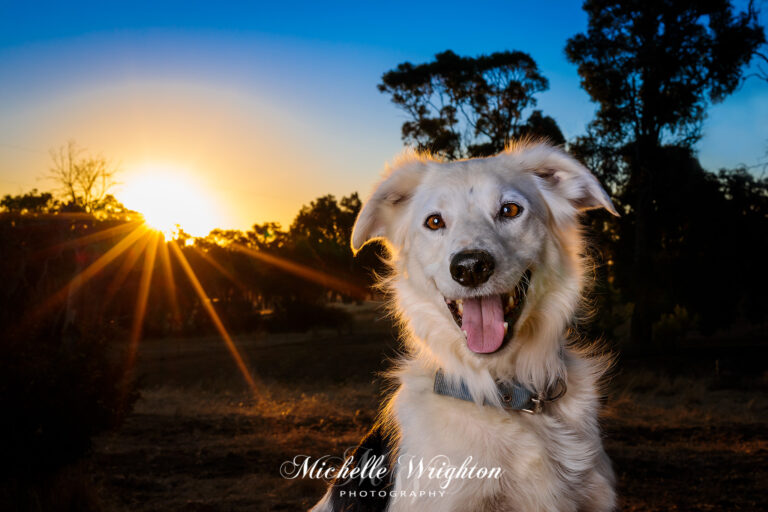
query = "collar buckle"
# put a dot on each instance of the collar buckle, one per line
(537, 402)
(536, 408)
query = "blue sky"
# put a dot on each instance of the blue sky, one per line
(266, 106)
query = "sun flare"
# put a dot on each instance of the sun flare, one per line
(169, 201)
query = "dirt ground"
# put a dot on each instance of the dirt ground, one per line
(685, 432)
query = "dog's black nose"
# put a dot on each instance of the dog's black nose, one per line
(472, 268)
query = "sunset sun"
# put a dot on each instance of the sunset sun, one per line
(168, 200)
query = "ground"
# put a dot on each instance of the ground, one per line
(685, 432)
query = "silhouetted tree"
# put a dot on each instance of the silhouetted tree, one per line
(83, 180)
(653, 67)
(469, 106)
(325, 220)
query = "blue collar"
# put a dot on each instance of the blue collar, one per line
(512, 395)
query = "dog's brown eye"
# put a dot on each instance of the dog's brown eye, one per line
(510, 210)
(435, 222)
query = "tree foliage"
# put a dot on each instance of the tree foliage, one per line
(469, 106)
(653, 66)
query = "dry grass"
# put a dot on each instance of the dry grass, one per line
(197, 441)
(657, 399)
(189, 449)
(687, 442)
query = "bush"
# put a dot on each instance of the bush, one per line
(56, 393)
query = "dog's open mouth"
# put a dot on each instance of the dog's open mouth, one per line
(487, 321)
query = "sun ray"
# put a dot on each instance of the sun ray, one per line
(88, 239)
(83, 277)
(134, 253)
(208, 305)
(223, 271)
(141, 299)
(310, 274)
(170, 282)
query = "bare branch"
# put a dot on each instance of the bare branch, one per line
(83, 181)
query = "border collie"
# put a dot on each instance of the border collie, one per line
(493, 409)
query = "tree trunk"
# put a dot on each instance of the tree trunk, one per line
(640, 331)
(642, 315)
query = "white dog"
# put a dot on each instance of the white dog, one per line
(493, 409)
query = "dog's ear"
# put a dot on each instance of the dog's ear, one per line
(378, 215)
(562, 177)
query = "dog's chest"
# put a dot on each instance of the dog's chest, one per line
(502, 460)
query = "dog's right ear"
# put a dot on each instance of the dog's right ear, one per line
(378, 215)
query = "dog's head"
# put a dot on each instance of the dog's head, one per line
(485, 251)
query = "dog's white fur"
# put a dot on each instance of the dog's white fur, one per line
(552, 461)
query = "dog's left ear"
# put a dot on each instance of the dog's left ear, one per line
(563, 177)
(378, 217)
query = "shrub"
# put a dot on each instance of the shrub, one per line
(56, 393)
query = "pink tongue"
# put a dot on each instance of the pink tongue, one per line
(483, 321)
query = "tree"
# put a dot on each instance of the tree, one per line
(465, 106)
(83, 180)
(653, 67)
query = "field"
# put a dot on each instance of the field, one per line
(685, 432)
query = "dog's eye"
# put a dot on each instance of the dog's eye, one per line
(510, 210)
(435, 222)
